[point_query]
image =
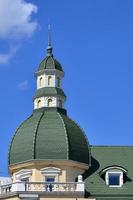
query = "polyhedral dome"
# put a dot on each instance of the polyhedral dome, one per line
(50, 63)
(49, 134)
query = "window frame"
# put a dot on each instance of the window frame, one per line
(51, 172)
(111, 172)
(114, 169)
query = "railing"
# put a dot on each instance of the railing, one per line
(41, 187)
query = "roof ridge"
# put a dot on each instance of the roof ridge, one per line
(89, 148)
(50, 57)
(35, 134)
(65, 129)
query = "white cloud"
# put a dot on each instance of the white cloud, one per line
(16, 23)
(15, 19)
(23, 85)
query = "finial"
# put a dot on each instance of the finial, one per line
(49, 48)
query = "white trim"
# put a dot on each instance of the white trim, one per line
(114, 167)
(114, 172)
(24, 173)
(28, 196)
(51, 172)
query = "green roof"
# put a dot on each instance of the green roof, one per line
(49, 135)
(103, 157)
(50, 63)
(49, 91)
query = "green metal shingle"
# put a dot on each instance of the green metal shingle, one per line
(78, 143)
(50, 63)
(105, 156)
(22, 144)
(50, 138)
(49, 134)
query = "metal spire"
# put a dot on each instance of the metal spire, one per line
(49, 48)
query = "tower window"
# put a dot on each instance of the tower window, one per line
(40, 82)
(49, 80)
(58, 82)
(39, 104)
(49, 102)
(60, 103)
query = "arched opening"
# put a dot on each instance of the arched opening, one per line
(49, 102)
(39, 104)
(60, 103)
(58, 82)
(40, 82)
(49, 80)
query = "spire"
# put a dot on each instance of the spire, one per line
(49, 48)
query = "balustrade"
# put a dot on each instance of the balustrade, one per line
(41, 187)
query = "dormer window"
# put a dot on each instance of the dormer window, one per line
(114, 179)
(113, 176)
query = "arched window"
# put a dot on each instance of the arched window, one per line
(40, 82)
(49, 102)
(58, 82)
(39, 104)
(60, 103)
(49, 80)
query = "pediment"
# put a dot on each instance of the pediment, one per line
(51, 170)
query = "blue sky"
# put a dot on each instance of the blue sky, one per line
(93, 40)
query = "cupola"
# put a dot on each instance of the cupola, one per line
(49, 136)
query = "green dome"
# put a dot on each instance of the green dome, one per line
(50, 63)
(48, 134)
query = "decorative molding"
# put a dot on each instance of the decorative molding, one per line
(24, 173)
(114, 167)
(50, 170)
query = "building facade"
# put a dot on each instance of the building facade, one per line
(50, 156)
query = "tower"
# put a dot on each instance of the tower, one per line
(49, 152)
(49, 77)
(48, 145)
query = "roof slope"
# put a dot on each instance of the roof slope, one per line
(50, 63)
(49, 91)
(49, 135)
(102, 157)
